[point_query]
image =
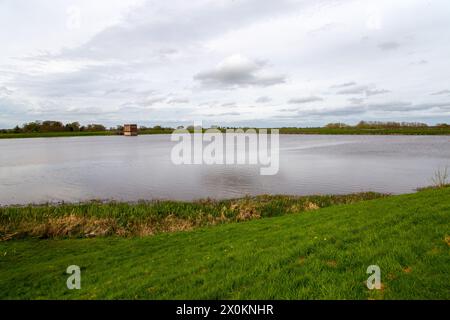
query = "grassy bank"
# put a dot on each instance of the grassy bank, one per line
(96, 219)
(329, 131)
(312, 254)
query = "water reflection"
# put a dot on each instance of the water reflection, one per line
(129, 169)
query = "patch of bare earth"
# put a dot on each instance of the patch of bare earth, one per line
(407, 270)
(332, 263)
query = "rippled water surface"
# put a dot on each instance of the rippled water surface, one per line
(129, 169)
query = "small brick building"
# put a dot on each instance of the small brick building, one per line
(130, 130)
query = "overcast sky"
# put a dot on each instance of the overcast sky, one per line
(236, 62)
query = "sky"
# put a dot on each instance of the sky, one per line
(224, 62)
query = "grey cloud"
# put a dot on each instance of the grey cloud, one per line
(9, 106)
(305, 100)
(407, 106)
(4, 91)
(88, 81)
(289, 110)
(354, 90)
(178, 101)
(166, 26)
(263, 99)
(209, 104)
(442, 92)
(430, 105)
(133, 107)
(92, 111)
(128, 91)
(167, 51)
(338, 112)
(373, 92)
(324, 112)
(229, 104)
(238, 71)
(343, 85)
(150, 101)
(391, 106)
(419, 63)
(389, 45)
(325, 28)
(223, 114)
(356, 100)
(366, 90)
(53, 111)
(146, 103)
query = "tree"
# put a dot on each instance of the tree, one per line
(35, 126)
(52, 126)
(95, 127)
(336, 125)
(73, 127)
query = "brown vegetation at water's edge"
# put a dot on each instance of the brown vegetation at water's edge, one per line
(98, 219)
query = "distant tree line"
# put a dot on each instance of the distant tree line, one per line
(55, 126)
(383, 125)
(58, 126)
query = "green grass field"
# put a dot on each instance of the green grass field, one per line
(314, 254)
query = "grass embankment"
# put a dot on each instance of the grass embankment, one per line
(315, 254)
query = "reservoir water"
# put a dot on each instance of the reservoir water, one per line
(140, 168)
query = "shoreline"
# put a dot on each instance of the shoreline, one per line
(113, 201)
(144, 218)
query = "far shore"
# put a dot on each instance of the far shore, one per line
(306, 131)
